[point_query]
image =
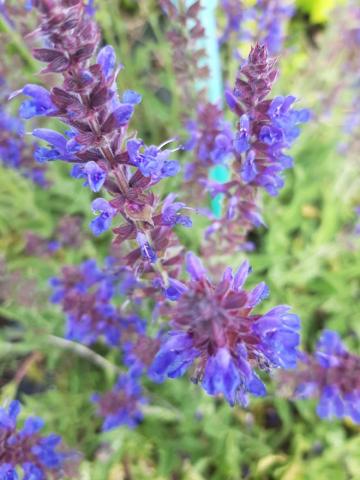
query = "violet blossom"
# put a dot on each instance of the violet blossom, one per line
(331, 375)
(96, 141)
(264, 22)
(256, 155)
(15, 153)
(214, 331)
(87, 296)
(40, 457)
(266, 127)
(122, 404)
(184, 32)
(211, 140)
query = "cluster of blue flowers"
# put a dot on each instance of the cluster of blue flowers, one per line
(210, 136)
(213, 328)
(87, 295)
(153, 162)
(15, 153)
(266, 127)
(277, 134)
(121, 405)
(264, 22)
(254, 156)
(332, 375)
(96, 141)
(40, 457)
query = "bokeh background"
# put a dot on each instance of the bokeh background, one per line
(309, 256)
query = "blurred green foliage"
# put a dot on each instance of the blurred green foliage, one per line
(308, 255)
(319, 10)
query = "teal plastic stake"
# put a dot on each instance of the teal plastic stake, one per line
(218, 173)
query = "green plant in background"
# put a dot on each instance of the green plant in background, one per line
(308, 255)
(320, 10)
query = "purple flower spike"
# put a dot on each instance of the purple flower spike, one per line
(255, 159)
(266, 127)
(98, 144)
(214, 329)
(269, 19)
(89, 295)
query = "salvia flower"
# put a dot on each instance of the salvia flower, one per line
(172, 213)
(121, 405)
(39, 246)
(156, 241)
(59, 147)
(90, 7)
(105, 213)
(215, 331)
(40, 457)
(96, 140)
(271, 17)
(266, 127)
(96, 176)
(331, 375)
(147, 252)
(87, 295)
(255, 155)
(263, 22)
(184, 34)
(15, 153)
(211, 140)
(38, 104)
(236, 14)
(139, 351)
(152, 162)
(68, 234)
